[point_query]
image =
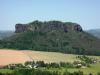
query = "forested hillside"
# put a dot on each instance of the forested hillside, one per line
(56, 36)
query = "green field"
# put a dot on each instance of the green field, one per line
(94, 69)
(6, 71)
(50, 56)
(53, 56)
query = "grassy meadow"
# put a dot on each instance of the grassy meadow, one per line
(53, 56)
(94, 69)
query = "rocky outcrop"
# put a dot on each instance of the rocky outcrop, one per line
(48, 26)
(78, 28)
(72, 27)
(21, 28)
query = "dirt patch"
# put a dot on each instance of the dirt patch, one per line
(12, 56)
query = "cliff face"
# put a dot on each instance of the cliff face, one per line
(47, 26)
(21, 28)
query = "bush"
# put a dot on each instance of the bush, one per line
(98, 73)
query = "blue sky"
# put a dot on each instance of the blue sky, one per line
(84, 12)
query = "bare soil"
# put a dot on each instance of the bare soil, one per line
(12, 57)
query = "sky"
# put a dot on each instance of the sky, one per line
(84, 12)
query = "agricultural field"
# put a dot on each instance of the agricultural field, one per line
(8, 56)
(12, 57)
(15, 56)
(50, 56)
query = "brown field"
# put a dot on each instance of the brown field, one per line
(15, 56)
(12, 56)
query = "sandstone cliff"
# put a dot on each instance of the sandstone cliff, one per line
(47, 26)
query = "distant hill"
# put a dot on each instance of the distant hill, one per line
(95, 32)
(5, 34)
(53, 36)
